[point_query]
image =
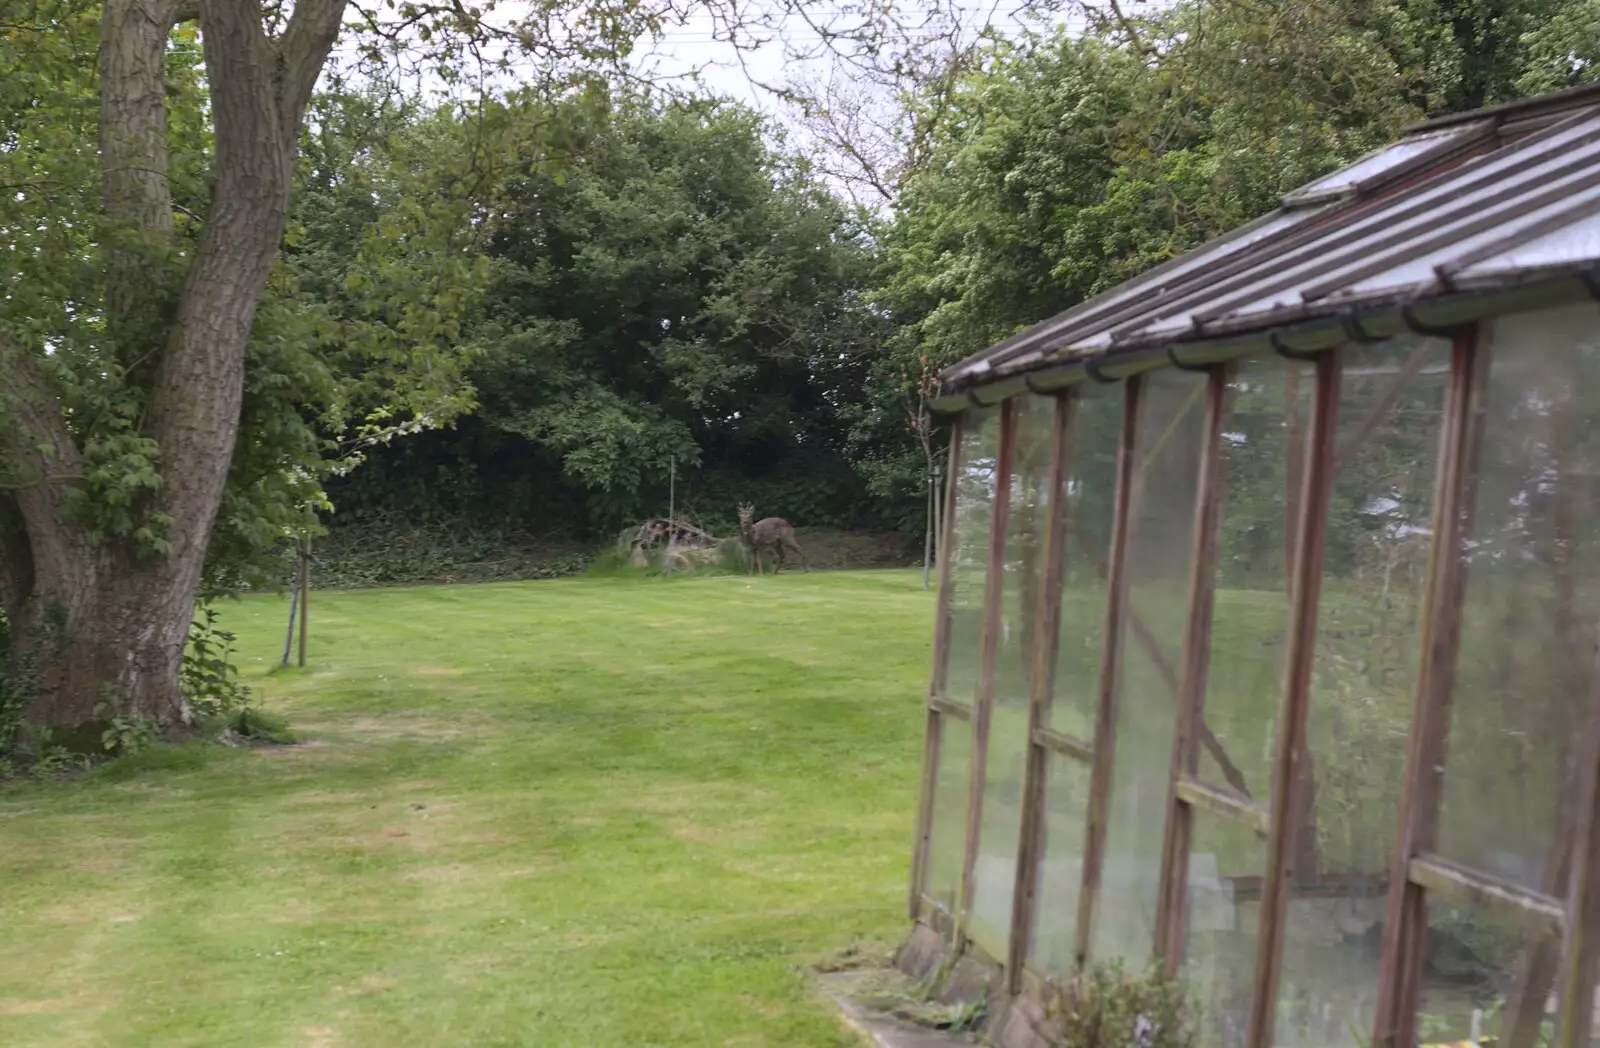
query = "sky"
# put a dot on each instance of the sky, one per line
(696, 47)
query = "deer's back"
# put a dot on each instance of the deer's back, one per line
(772, 529)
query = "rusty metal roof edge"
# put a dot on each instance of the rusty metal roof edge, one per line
(1000, 351)
(1307, 328)
(1550, 103)
(1292, 249)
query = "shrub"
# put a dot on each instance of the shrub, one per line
(1106, 1007)
(385, 550)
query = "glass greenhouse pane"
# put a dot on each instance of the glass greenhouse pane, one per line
(1161, 525)
(1369, 634)
(973, 488)
(1390, 158)
(947, 842)
(1470, 975)
(1026, 528)
(1090, 487)
(1061, 865)
(1226, 862)
(1532, 600)
(1264, 438)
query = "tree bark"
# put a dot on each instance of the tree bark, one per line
(100, 624)
(133, 153)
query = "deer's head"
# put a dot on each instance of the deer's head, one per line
(747, 513)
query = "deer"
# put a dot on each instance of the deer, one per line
(772, 533)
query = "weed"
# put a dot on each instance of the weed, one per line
(259, 726)
(129, 735)
(209, 679)
(1106, 1007)
(967, 1018)
(54, 762)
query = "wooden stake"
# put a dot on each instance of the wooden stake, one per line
(305, 594)
(294, 607)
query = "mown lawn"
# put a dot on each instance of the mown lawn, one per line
(590, 813)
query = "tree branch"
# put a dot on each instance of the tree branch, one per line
(259, 89)
(16, 559)
(304, 48)
(36, 443)
(135, 190)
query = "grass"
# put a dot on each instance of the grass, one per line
(583, 812)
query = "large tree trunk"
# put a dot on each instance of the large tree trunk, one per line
(98, 625)
(115, 648)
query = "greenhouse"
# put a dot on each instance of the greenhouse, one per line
(1269, 615)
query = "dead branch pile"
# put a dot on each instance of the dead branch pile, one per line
(676, 545)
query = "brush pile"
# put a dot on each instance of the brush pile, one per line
(672, 545)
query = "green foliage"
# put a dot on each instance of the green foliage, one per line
(128, 734)
(209, 678)
(41, 755)
(684, 292)
(382, 549)
(254, 725)
(360, 341)
(20, 675)
(1107, 1007)
(1062, 164)
(55, 762)
(1562, 49)
(58, 239)
(1066, 164)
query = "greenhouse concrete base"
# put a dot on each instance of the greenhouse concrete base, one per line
(881, 1029)
(1019, 1021)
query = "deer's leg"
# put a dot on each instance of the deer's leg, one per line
(794, 547)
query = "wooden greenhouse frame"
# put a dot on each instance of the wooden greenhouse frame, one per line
(1333, 245)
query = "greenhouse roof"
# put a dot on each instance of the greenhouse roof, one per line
(1465, 216)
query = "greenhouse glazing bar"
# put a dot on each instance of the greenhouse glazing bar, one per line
(993, 587)
(933, 735)
(1192, 679)
(1105, 716)
(1406, 919)
(1576, 1016)
(1291, 758)
(1048, 617)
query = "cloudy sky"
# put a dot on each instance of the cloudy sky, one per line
(793, 53)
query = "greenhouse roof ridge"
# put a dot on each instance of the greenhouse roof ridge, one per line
(1441, 225)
